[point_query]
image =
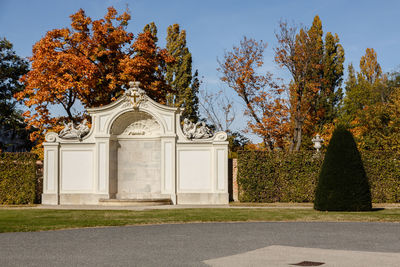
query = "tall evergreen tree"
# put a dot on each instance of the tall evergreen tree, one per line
(179, 76)
(12, 67)
(192, 99)
(350, 106)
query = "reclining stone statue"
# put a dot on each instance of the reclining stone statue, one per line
(196, 131)
(70, 132)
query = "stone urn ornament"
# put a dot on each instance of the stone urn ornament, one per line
(317, 140)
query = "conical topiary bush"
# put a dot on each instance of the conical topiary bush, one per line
(343, 183)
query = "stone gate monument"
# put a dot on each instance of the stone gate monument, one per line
(136, 149)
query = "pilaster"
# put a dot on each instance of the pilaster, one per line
(51, 188)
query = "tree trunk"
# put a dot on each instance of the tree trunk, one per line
(299, 136)
(298, 127)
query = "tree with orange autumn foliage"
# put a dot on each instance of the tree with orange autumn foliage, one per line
(316, 68)
(89, 64)
(265, 105)
(372, 105)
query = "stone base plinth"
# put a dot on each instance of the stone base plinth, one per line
(203, 198)
(49, 199)
(81, 199)
(135, 202)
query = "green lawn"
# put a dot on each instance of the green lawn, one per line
(22, 220)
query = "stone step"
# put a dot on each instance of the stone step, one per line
(135, 202)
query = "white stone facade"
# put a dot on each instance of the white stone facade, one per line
(135, 149)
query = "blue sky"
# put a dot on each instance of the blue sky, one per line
(214, 26)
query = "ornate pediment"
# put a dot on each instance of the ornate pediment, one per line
(135, 95)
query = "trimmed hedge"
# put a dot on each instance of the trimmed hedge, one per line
(383, 172)
(277, 177)
(343, 184)
(283, 177)
(17, 178)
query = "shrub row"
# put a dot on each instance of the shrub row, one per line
(283, 177)
(383, 171)
(18, 180)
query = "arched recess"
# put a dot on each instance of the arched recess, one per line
(123, 119)
(135, 155)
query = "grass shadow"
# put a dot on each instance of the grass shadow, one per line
(377, 209)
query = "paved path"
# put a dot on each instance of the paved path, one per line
(283, 256)
(217, 244)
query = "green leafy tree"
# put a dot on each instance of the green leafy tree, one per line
(192, 99)
(343, 183)
(332, 92)
(237, 142)
(12, 68)
(152, 29)
(350, 106)
(179, 75)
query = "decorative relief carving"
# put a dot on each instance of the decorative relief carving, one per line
(136, 95)
(121, 124)
(196, 131)
(70, 132)
(143, 127)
